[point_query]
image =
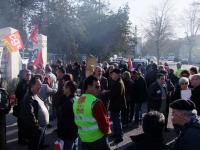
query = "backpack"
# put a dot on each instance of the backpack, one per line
(4, 101)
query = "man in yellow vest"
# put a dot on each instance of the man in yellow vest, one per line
(91, 117)
(178, 69)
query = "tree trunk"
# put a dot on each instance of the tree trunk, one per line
(190, 54)
(158, 52)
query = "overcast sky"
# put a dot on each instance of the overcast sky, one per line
(140, 10)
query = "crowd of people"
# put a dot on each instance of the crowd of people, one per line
(81, 104)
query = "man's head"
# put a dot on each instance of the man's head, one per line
(48, 69)
(178, 65)
(161, 78)
(27, 75)
(135, 75)
(35, 85)
(24, 66)
(98, 72)
(193, 70)
(92, 85)
(70, 88)
(59, 62)
(182, 111)
(195, 80)
(126, 75)
(60, 72)
(153, 123)
(185, 73)
(115, 74)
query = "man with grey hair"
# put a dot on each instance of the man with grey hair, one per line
(98, 73)
(184, 115)
(195, 81)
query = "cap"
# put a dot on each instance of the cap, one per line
(117, 71)
(182, 104)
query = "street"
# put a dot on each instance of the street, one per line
(51, 135)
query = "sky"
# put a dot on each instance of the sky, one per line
(140, 11)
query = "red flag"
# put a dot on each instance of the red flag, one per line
(130, 64)
(39, 59)
(34, 35)
(13, 42)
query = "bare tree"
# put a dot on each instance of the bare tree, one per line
(159, 28)
(192, 25)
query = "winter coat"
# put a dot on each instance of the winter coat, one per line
(189, 136)
(146, 142)
(196, 98)
(67, 128)
(117, 96)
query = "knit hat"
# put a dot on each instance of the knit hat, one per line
(182, 104)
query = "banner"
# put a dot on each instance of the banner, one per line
(34, 35)
(13, 42)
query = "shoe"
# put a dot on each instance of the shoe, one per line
(116, 141)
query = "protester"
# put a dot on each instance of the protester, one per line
(98, 73)
(34, 114)
(91, 117)
(4, 109)
(140, 95)
(184, 116)
(152, 138)
(182, 91)
(127, 113)
(193, 70)
(178, 69)
(195, 82)
(67, 130)
(117, 104)
(20, 92)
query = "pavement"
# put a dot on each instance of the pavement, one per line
(51, 135)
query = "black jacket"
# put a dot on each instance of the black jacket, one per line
(139, 92)
(176, 95)
(196, 98)
(146, 142)
(155, 96)
(117, 96)
(189, 136)
(21, 90)
(29, 111)
(65, 121)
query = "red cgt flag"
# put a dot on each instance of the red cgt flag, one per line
(34, 35)
(39, 59)
(13, 42)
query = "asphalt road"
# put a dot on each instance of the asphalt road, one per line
(51, 135)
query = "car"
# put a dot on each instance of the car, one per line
(184, 61)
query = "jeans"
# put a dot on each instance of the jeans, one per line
(138, 112)
(70, 144)
(117, 124)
